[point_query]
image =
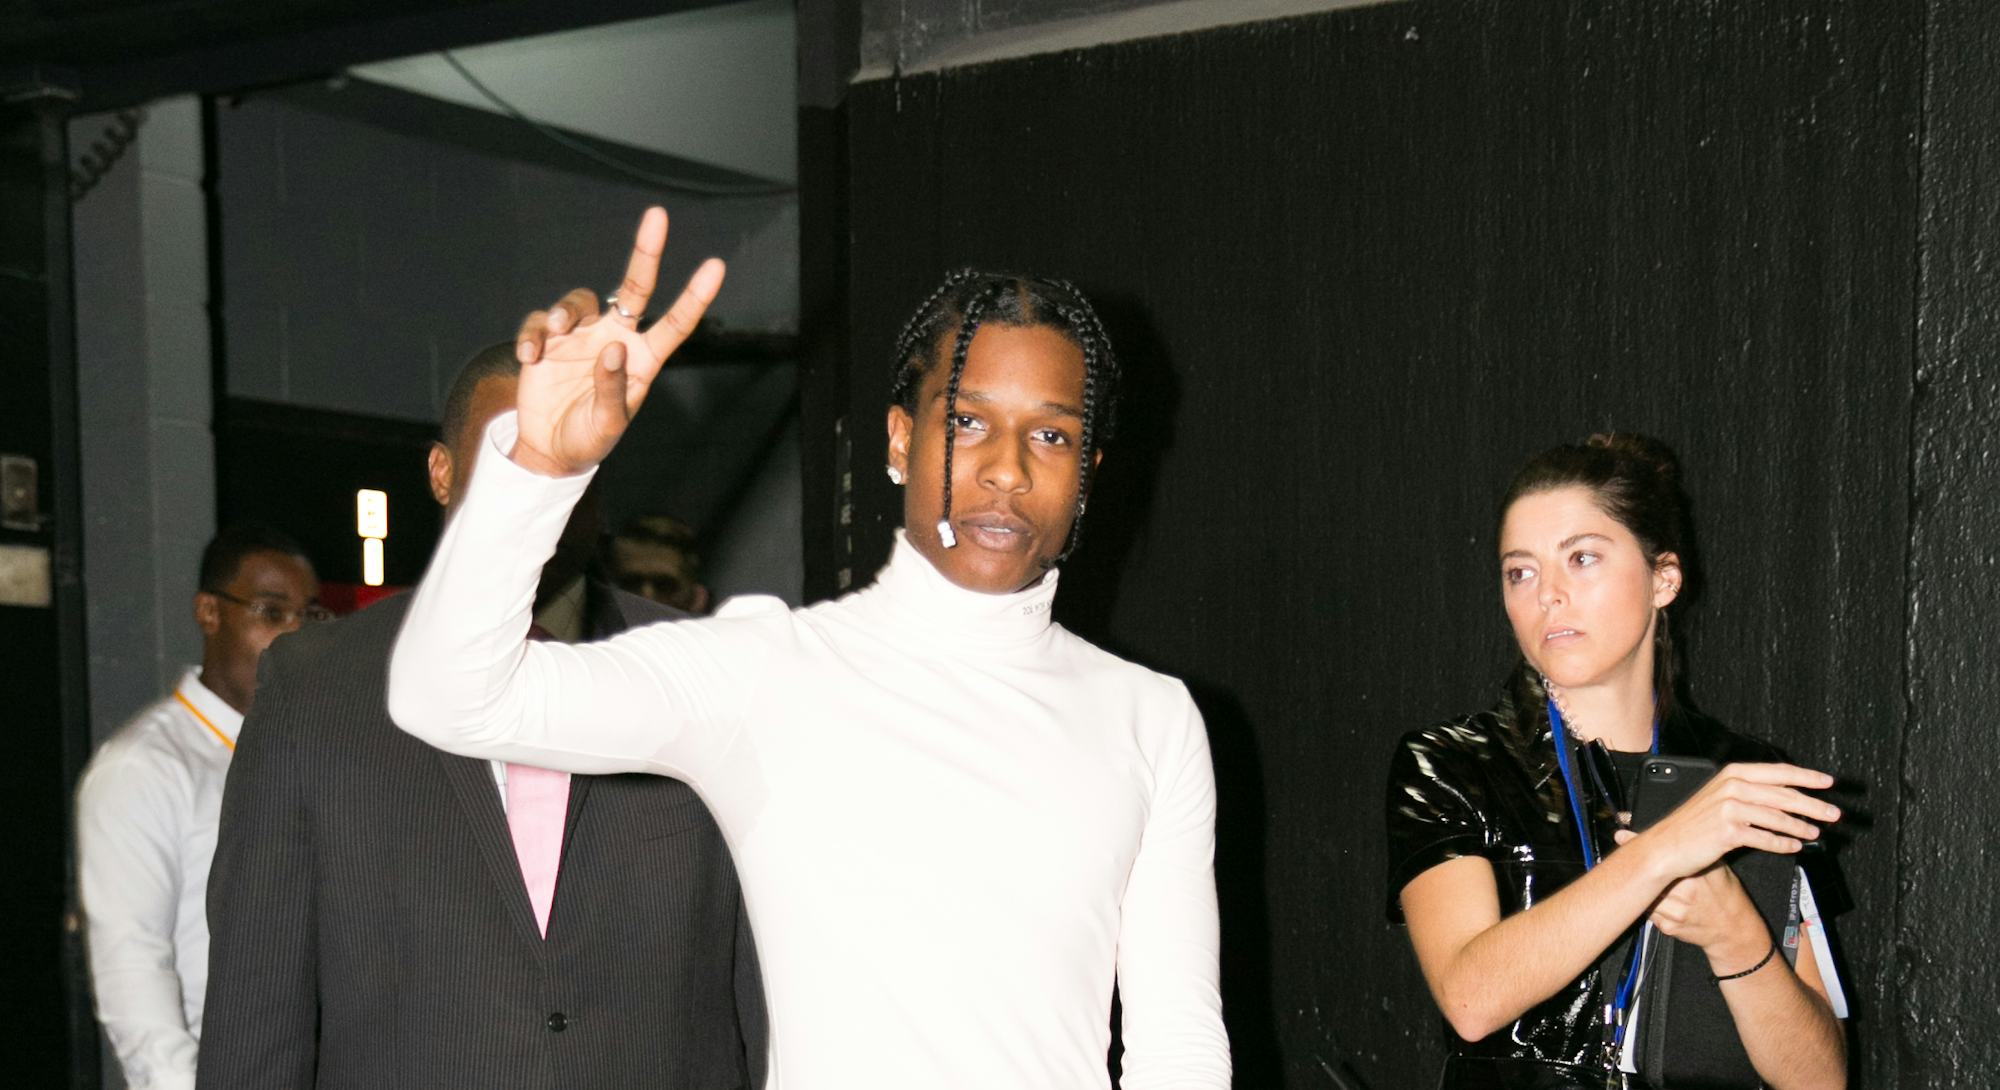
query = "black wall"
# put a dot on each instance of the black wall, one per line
(1948, 878)
(298, 469)
(49, 1035)
(1362, 265)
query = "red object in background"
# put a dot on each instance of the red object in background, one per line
(345, 598)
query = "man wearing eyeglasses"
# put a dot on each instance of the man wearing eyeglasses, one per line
(148, 804)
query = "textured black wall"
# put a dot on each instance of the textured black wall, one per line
(1362, 265)
(49, 1034)
(1948, 880)
(908, 33)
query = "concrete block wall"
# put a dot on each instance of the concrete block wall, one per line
(145, 381)
(361, 267)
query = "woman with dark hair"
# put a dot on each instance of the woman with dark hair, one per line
(1521, 889)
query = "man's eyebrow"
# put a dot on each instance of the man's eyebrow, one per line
(981, 397)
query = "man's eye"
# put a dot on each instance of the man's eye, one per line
(960, 420)
(1052, 437)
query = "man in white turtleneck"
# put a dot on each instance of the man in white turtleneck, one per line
(956, 824)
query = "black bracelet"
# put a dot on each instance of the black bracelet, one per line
(1768, 955)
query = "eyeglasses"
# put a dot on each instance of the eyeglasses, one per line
(277, 615)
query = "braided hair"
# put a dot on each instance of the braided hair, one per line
(968, 299)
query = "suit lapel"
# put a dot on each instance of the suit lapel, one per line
(472, 781)
(579, 787)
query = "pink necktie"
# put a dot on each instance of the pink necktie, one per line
(537, 803)
(537, 806)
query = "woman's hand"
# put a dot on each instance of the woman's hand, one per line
(1711, 910)
(1762, 806)
(585, 374)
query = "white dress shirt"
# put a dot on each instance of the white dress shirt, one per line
(955, 822)
(146, 816)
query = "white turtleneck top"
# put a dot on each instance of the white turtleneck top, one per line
(954, 821)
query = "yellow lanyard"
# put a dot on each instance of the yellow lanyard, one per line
(189, 704)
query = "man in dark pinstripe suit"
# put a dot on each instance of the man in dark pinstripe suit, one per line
(370, 924)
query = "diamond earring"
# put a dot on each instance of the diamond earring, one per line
(895, 475)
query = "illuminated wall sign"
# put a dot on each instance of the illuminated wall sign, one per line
(371, 522)
(371, 561)
(371, 513)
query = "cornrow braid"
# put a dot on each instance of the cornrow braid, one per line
(968, 327)
(968, 299)
(917, 331)
(1095, 343)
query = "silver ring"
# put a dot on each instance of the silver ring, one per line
(612, 302)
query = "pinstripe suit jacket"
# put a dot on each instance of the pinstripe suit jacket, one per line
(370, 928)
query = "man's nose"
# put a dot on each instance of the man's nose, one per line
(1005, 467)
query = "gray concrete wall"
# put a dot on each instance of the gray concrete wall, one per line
(361, 267)
(144, 383)
(144, 378)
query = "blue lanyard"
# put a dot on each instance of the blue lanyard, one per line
(1615, 1016)
(1569, 779)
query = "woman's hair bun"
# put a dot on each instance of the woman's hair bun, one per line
(1642, 449)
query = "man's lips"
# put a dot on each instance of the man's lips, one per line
(997, 530)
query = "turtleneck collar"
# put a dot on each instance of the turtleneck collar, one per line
(911, 587)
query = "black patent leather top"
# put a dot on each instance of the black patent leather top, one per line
(1487, 785)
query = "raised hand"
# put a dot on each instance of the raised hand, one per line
(1761, 806)
(584, 373)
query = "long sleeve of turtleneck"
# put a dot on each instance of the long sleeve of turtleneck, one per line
(957, 825)
(465, 678)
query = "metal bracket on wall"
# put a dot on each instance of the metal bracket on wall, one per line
(25, 578)
(20, 495)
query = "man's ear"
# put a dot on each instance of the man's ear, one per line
(207, 612)
(1667, 580)
(901, 425)
(440, 467)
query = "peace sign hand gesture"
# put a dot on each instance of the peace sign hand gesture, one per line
(584, 374)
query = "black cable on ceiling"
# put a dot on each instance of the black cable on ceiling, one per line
(661, 181)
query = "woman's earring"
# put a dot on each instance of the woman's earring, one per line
(895, 475)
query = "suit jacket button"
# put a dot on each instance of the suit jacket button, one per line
(558, 1023)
